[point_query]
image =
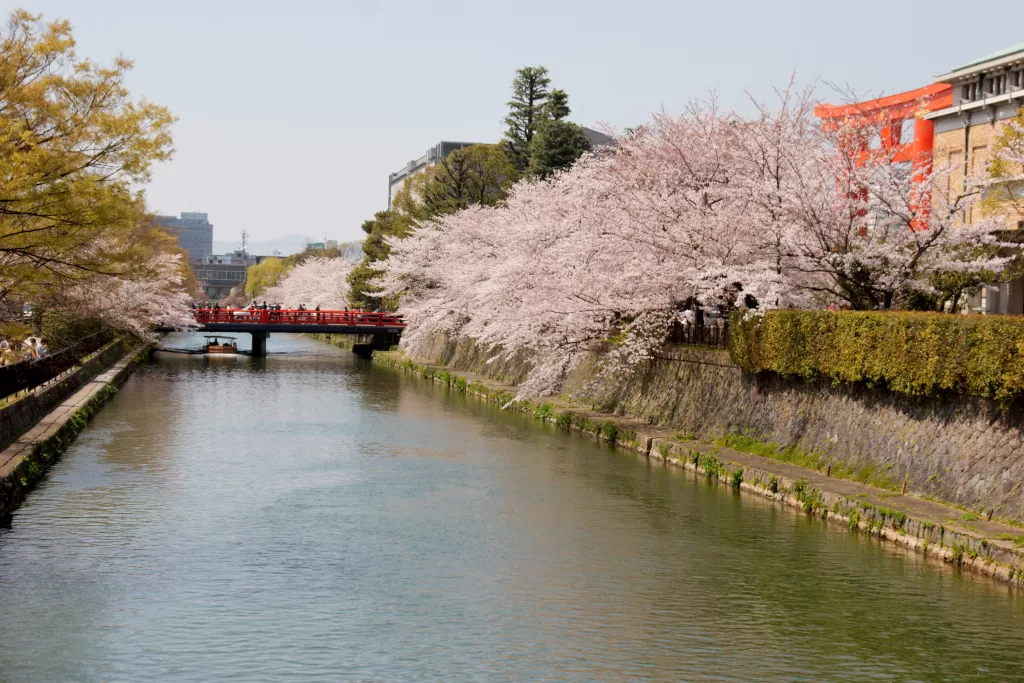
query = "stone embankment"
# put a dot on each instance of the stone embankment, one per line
(37, 427)
(710, 417)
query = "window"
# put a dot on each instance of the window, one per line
(907, 131)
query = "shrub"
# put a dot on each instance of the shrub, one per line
(610, 432)
(916, 354)
(711, 465)
(854, 522)
(737, 478)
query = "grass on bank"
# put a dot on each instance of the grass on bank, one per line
(867, 473)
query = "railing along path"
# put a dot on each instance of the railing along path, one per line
(30, 374)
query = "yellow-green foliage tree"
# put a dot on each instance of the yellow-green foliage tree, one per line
(263, 275)
(478, 174)
(74, 149)
(1006, 166)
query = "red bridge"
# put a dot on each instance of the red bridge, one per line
(383, 329)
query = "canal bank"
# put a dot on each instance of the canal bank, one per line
(39, 426)
(956, 536)
(311, 515)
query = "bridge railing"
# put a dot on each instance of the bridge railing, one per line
(297, 317)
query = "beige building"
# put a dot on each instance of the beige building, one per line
(986, 92)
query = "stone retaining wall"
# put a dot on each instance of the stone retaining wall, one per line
(24, 462)
(18, 416)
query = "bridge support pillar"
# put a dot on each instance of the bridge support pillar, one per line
(379, 341)
(259, 344)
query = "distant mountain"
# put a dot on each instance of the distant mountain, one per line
(288, 245)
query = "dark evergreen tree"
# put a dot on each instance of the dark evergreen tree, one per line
(526, 112)
(557, 143)
(365, 292)
(557, 106)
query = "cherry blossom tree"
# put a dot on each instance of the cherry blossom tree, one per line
(848, 224)
(708, 208)
(316, 282)
(153, 297)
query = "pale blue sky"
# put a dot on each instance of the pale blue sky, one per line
(292, 114)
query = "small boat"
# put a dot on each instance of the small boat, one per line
(220, 344)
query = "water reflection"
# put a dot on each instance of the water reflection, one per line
(309, 515)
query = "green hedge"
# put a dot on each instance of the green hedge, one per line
(918, 354)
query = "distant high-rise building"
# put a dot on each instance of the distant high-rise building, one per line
(194, 232)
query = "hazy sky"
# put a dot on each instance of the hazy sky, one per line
(292, 114)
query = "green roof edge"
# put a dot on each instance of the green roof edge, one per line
(1019, 47)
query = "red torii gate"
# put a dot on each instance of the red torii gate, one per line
(889, 114)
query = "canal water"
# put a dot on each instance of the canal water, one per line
(312, 516)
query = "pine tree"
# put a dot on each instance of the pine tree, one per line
(557, 106)
(526, 112)
(558, 143)
(364, 292)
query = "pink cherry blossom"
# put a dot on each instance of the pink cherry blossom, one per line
(316, 282)
(708, 208)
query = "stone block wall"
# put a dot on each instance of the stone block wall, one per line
(18, 416)
(960, 449)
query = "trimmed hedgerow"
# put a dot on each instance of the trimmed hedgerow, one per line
(918, 354)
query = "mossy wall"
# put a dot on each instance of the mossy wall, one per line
(17, 416)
